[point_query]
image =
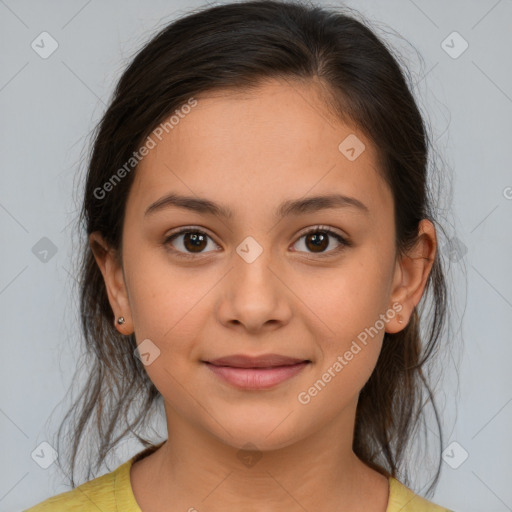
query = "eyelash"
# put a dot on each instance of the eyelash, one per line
(317, 229)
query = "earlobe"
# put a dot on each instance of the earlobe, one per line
(411, 275)
(112, 271)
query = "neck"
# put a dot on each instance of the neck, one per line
(194, 469)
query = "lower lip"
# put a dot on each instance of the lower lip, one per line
(256, 378)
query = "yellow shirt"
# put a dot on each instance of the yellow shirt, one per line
(112, 492)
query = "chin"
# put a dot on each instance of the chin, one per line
(263, 433)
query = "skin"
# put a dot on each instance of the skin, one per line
(251, 151)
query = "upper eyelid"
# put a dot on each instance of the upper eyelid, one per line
(322, 227)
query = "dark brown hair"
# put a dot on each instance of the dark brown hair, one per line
(234, 46)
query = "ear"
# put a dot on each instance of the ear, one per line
(411, 274)
(112, 270)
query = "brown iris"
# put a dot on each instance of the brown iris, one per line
(196, 241)
(319, 241)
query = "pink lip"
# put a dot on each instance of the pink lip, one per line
(263, 361)
(256, 378)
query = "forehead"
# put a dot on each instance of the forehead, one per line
(254, 148)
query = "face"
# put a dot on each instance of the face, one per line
(318, 283)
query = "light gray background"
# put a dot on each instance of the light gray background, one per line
(49, 106)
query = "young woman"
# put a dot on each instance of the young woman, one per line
(259, 238)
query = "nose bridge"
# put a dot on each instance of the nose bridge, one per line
(253, 261)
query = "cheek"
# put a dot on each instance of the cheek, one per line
(163, 304)
(351, 340)
(349, 305)
(168, 304)
(350, 298)
(169, 309)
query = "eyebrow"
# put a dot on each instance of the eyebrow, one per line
(290, 207)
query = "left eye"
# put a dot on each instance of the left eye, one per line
(195, 241)
(317, 240)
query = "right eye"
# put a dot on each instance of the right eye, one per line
(193, 240)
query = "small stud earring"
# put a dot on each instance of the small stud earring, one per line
(400, 321)
(120, 320)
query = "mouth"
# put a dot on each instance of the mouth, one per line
(263, 372)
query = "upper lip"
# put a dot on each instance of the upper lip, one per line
(263, 361)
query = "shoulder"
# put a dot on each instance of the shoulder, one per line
(403, 499)
(111, 492)
(101, 493)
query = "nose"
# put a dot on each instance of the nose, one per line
(254, 296)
